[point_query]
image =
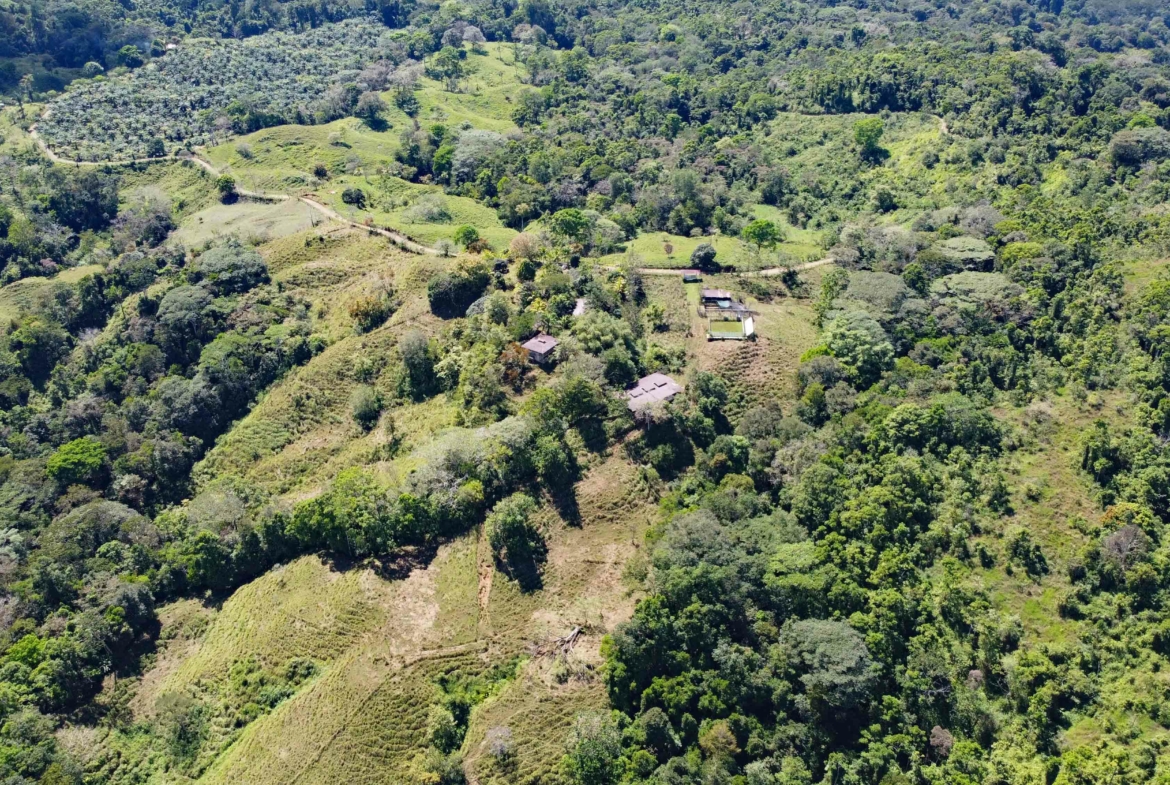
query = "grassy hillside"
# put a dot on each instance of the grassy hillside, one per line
(383, 644)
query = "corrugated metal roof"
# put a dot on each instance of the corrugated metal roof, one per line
(652, 389)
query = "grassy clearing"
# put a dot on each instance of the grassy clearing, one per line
(363, 718)
(389, 202)
(1053, 501)
(301, 433)
(282, 158)
(251, 222)
(188, 187)
(649, 248)
(539, 712)
(303, 609)
(484, 100)
(815, 146)
(22, 295)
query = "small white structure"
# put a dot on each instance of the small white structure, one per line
(581, 306)
(540, 348)
(650, 390)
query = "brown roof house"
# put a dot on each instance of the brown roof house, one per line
(540, 348)
(650, 390)
(719, 297)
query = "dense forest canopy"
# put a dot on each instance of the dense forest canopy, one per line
(986, 182)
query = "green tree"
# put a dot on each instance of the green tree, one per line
(763, 234)
(594, 747)
(515, 539)
(861, 345)
(81, 461)
(867, 133)
(37, 345)
(130, 57)
(226, 185)
(569, 224)
(450, 66)
(466, 236)
(370, 107)
(365, 406)
(703, 258)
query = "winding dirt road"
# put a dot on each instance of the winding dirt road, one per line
(399, 239)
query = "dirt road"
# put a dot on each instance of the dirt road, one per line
(399, 239)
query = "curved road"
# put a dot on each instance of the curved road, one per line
(399, 239)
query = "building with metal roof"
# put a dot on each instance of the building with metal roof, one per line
(650, 390)
(540, 348)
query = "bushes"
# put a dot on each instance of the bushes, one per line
(365, 406)
(229, 268)
(371, 311)
(516, 541)
(450, 294)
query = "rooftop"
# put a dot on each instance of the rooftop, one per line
(652, 389)
(541, 343)
(715, 294)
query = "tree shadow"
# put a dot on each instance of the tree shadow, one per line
(377, 123)
(565, 501)
(527, 570)
(395, 566)
(593, 435)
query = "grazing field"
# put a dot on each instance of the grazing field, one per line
(252, 222)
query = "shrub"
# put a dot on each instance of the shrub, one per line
(371, 311)
(365, 406)
(226, 185)
(466, 236)
(524, 246)
(355, 197)
(450, 294)
(429, 209)
(516, 541)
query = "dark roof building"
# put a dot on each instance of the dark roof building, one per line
(691, 276)
(540, 348)
(650, 390)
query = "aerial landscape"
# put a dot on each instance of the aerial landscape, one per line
(605, 392)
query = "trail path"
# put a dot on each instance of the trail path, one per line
(399, 239)
(771, 271)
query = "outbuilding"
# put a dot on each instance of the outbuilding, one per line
(540, 348)
(720, 298)
(691, 276)
(651, 390)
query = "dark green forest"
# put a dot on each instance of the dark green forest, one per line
(804, 613)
